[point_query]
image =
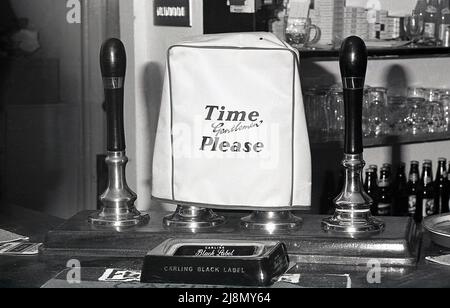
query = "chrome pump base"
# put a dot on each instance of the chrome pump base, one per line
(193, 219)
(271, 222)
(353, 216)
(118, 200)
(353, 223)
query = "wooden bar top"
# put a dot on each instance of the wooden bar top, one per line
(33, 272)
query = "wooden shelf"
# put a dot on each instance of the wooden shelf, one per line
(403, 52)
(387, 140)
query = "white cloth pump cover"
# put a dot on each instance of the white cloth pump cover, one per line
(232, 132)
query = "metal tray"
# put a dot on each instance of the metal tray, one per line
(439, 229)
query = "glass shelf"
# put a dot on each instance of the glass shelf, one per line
(404, 52)
(385, 140)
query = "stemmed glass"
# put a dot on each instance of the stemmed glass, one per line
(414, 27)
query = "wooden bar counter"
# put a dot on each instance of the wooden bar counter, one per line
(34, 272)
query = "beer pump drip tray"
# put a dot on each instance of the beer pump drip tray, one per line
(398, 245)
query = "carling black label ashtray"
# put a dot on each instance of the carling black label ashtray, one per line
(216, 262)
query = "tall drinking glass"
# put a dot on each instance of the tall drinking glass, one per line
(435, 116)
(335, 112)
(378, 112)
(308, 98)
(366, 112)
(315, 101)
(397, 114)
(416, 119)
(445, 100)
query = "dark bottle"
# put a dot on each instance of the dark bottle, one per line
(385, 200)
(413, 189)
(444, 20)
(421, 7)
(389, 170)
(441, 188)
(431, 19)
(400, 207)
(375, 170)
(426, 206)
(371, 188)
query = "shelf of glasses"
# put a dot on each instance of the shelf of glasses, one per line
(405, 52)
(382, 141)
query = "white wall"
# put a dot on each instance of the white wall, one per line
(147, 46)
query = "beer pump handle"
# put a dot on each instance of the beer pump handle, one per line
(353, 64)
(113, 62)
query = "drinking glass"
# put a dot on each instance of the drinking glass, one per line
(416, 117)
(315, 101)
(445, 100)
(378, 112)
(432, 95)
(397, 114)
(366, 112)
(435, 116)
(320, 109)
(445, 92)
(416, 92)
(308, 99)
(298, 32)
(335, 112)
(414, 27)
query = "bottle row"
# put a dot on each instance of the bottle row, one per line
(435, 18)
(419, 196)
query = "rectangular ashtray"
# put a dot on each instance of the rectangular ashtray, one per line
(216, 262)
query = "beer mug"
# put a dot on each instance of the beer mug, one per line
(298, 32)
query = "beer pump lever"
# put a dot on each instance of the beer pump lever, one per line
(118, 200)
(352, 216)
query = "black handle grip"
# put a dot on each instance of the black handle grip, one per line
(113, 63)
(353, 63)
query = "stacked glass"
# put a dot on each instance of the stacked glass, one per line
(421, 111)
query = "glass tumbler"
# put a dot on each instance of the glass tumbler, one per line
(445, 92)
(445, 100)
(416, 116)
(315, 100)
(432, 95)
(308, 99)
(416, 92)
(378, 112)
(366, 112)
(320, 110)
(397, 114)
(435, 116)
(335, 112)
